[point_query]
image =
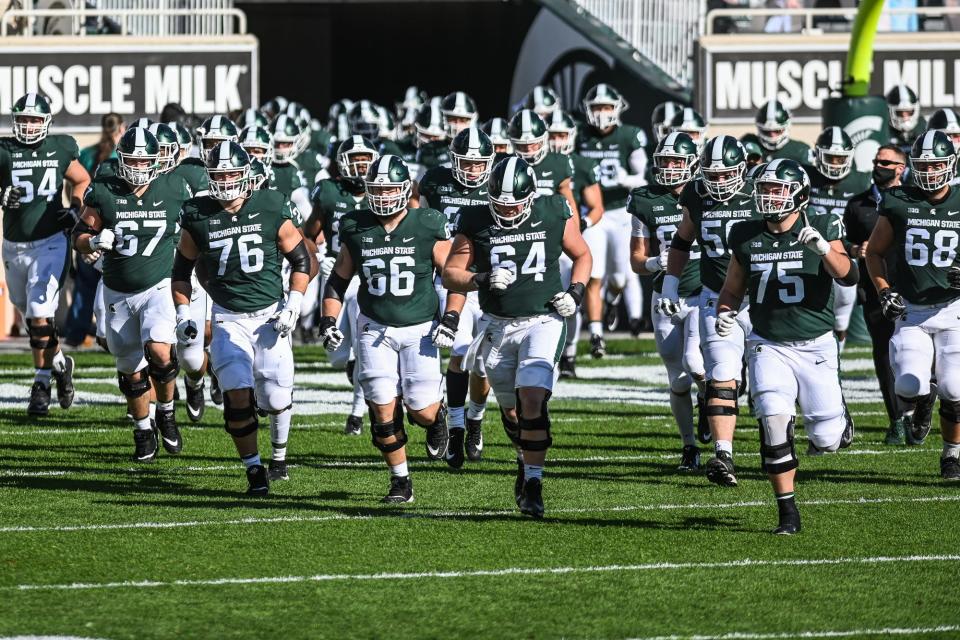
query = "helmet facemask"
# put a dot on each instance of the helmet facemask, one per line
(562, 141)
(509, 213)
(284, 148)
(672, 169)
(471, 176)
(604, 115)
(209, 142)
(722, 182)
(168, 158)
(355, 163)
(387, 198)
(773, 136)
(260, 151)
(904, 117)
(827, 162)
(31, 128)
(230, 183)
(776, 199)
(935, 179)
(138, 169)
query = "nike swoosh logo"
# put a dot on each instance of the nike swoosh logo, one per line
(170, 442)
(157, 204)
(408, 239)
(847, 195)
(547, 174)
(952, 213)
(741, 202)
(820, 361)
(50, 153)
(481, 193)
(254, 215)
(536, 224)
(795, 242)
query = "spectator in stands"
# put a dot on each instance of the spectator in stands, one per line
(783, 23)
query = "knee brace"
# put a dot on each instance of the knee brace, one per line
(132, 388)
(384, 430)
(240, 414)
(950, 410)
(721, 393)
(162, 373)
(779, 429)
(512, 429)
(42, 336)
(541, 423)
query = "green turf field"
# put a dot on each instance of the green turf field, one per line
(93, 545)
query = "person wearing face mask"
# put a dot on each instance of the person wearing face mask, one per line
(859, 218)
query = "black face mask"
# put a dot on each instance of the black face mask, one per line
(883, 175)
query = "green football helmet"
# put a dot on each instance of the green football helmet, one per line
(496, 130)
(215, 130)
(258, 143)
(429, 124)
(258, 174)
(286, 137)
(184, 139)
(138, 153)
(413, 98)
(470, 148)
(751, 146)
(948, 121)
(561, 132)
(459, 112)
(337, 109)
(904, 108)
(690, 122)
(603, 105)
(932, 160)
(228, 169)
(297, 111)
(662, 115)
(773, 125)
(511, 189)
(528, 135)
(143, 122)
(31, 118)
(386, 124)
(834, 153)
(364, 120)
(675, 159)
(543, 101)
(274, 106)
(723, 167)
(355, 156)
(781, 187)
(169, 146)
(252, 118)
(388, 185)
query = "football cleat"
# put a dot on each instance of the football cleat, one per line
(950, 468)
(354, 426)
(401, 490)
(611, 314)
(789, 523)
(454, 455)
(896, 434)
(720, 470)
(918, 427)
(474, 442)
(278, 470)
(531, 500)
(689, 459)
(636, 327)
(257, 482)
(703, 425)
(166, 425)
(438, 438)
(216, 394)
(39, 399)
(195, 401)
(145, 445)
(568, 366)
(518, 482)
(65, 390)
(598, 346)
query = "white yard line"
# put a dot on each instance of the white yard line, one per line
(744, 563)
(803, 635)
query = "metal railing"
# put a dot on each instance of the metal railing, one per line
(811, 20)
(128, 17)
(664, 31)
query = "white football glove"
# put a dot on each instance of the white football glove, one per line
(658, 262)
(10, 198)
(91, 258)
(446, 330)
(501, 278)
(330, 336)
(187, 330)
(326, 266)
(669, 303)
(814, 241)
(103, 241)
(726, 320)
(285, 320)
(564, 303)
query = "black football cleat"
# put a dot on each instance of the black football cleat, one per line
(531, 502)
(703, 424)
(438, 438)
(454, 455)
(598, 346)
(257, 482)
(166, 424)
(568, 367)
(611, 314)
(474, 442)
(195, 401)
(918, 427)
(636, 327)
(216, 394)
(689, 458)
(849, 431)
(720, 470)
(145, 445)
(278, 470)
(950, 468)
(401, 490)
(64, 379)
(789, 523)
(354, 426)
(39, 399)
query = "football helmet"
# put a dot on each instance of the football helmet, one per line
(470, 148)
(364, 120)
(274, 107)
(511, 188)
(675, 159)
(528, 135)
(561, 132)
(215, 130)
(948, 121)
(834, 153)
(459, 112)
(184, 140)
(429, 124)
(690, 122)
(258, 144)
(258, 174)
(781, 187)
(286, 137)
(169, 146)
(355, 155)
(138, 153)
(603, 105)
(252, 118)
(413, 98)
(932, 160)
(388, 185)
(228, 169)
(904, 108)
(662, 116)
(723, 167)
(543, 101)
(141, 122)
(386, 124)
(31, 118)
(773, 125)
(496, 130)
(337, 109)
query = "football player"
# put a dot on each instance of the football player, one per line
(432, 143)
(35, 249)
(619, 150)
(395, 250)
(662, 116)
(496, 130)
(712, 204)
(947, 121)
(509, 252)
(773, 134)
(131, 219)
(286, 176)
(905, 120)
(240, 237)
(543, 101)
(450, 190)
(787, 264)
(459, 112)
(188, 167)
(690, 122)
(923, 294)
(656, 214)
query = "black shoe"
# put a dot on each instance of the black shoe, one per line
(703, 424)
(401, 489)
(518, 482)
(257, 481)
(846, 438)
(950, 468)
(720, 470)
(39, 399)
(454, 455)
(636, 327)
(166, 423)
(145, 445)
(474, 443)
(354, 426)
(438, 438)
(278, 470)
(195, 401)
(216, 395)
(65, 390)
(919, 427)
(598, 346)
(789, 523)
(689, 458)
(531, 502)
(611, 314)
(568, 366)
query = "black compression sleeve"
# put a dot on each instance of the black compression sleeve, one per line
(680, 244)
(853, 275)
(336, 287)
(299, 258)
(182, 268)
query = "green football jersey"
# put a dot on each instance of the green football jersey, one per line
(320, 140)
(713, 221)
(405, 148)
(310, 165)
(145, 227)
(791, 293)
(38, 170)
(905, 140)
(551, 172)
(195, 173)
(239, 250)
(793, 150)
(925, 241)
(286, 178)
(396, 268)
(433, 154)
(448, 196)
(586, 173)
(331, 199)
(612, 152)
(658, 209)
(532, 251)
(831, 196)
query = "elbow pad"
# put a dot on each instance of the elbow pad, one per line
(336, 287)
(680, 244)
(299, 258)
(182, 268)
(853, 275)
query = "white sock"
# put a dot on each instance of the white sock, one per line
(152, 411)
(455, 417)
(143, 424)
(596, 328)
(475, 410)
(682, 406)
(59, 362)
(532, 471)
(399, 470)
(950, 450)
(723, 445)
(43, 375)
(279, 432)
(251, 461)
(165, 406)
